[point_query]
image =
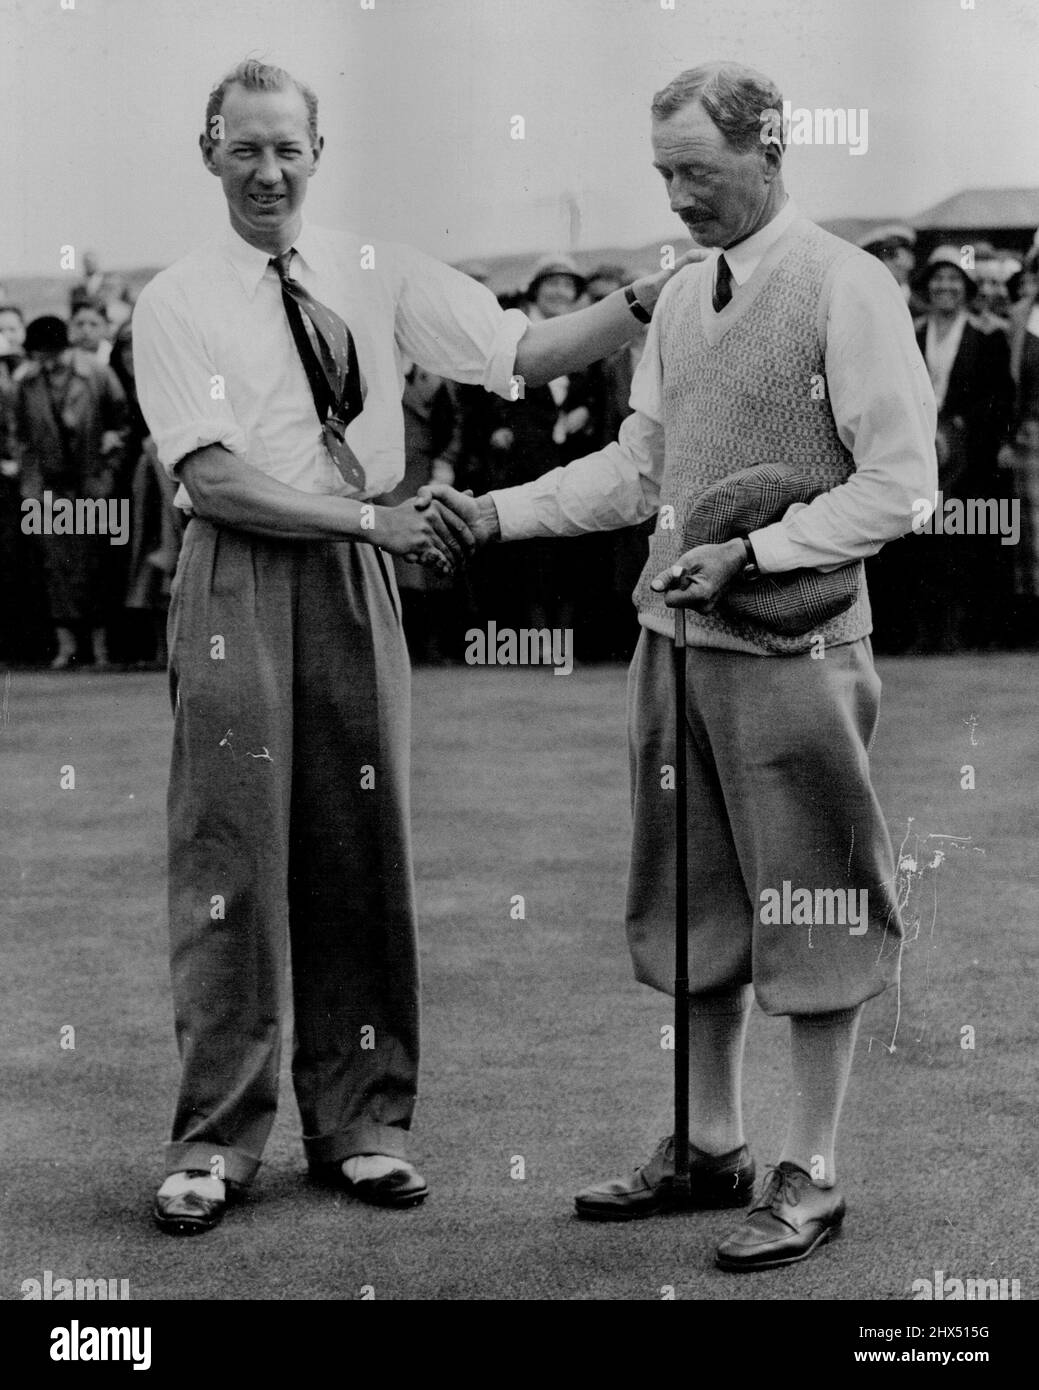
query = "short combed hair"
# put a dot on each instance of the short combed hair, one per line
(257, 76)
(735, 97)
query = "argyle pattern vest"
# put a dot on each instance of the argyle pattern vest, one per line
(744, 387)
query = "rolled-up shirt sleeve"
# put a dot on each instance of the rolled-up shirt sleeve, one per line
(178, 387)
(883, 408)
(616, 486)
(450, 324)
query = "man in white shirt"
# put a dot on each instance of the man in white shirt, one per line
(269, 369)
(789, 347)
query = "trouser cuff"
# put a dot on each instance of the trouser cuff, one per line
(362, 1138)
(233, 1165)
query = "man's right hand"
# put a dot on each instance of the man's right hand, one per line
(424, 532)
(479, 514)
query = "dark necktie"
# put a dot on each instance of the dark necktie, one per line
(722, 286)
(329, 358)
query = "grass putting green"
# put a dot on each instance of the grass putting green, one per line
(542, 1055)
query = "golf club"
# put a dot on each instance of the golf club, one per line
(681, 922)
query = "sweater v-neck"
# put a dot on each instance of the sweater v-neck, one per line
(717, 324)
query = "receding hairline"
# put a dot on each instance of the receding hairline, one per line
(237, 87)
(254, 75)
(734, 96)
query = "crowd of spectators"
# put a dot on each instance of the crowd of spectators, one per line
(463, 435)
(71, 428)
(70, 425)
(976, 316)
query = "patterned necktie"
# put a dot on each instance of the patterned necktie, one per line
(329, 358)
(722, 286)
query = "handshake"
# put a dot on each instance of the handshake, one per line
(440, 527)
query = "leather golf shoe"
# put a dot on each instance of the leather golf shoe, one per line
(376, 1179)
(792, 1217)
(723, 1181)
(189, 1203)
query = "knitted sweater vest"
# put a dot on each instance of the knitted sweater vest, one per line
(744, 387)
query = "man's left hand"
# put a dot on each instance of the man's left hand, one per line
(699, 578)
(647, 287)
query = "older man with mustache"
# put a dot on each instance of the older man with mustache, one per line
(790, 348)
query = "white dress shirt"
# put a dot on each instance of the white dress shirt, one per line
(216, 363)
(745, 256)
(882, 404)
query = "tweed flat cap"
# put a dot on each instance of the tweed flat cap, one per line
(792, 603)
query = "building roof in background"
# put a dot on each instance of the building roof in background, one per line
(983, 207)
(991, 208)
(511, 273)
(853, 229)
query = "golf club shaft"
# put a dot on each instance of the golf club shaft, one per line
(681, 917)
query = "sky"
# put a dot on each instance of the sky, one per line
(101, 102)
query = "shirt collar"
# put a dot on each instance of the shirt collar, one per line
(745, 256)
(250, 263)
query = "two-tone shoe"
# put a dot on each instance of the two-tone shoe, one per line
(400, 1187)
(196, 1205)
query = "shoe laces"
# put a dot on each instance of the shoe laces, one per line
(781, 1186)
(663, 1153)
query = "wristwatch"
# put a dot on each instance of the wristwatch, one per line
(636, 308)
(750, 569)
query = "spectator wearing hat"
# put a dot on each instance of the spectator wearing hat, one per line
(1022, 284)
(545, 427)
(892, 244)
(1019, 459)
(70, 433)
(962, 580)
(991, 303)
(603, 280)
(554, 287)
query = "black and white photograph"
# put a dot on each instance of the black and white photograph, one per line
(519, 761)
